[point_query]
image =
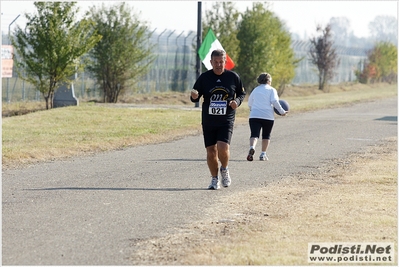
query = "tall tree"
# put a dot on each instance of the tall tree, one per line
(223, 19)
(323, 55)
(341, 29)
(265, 46)
(51, 45)
(123, 55)
(384, 29)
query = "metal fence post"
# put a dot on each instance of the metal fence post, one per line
(167, 61)
(184, 61)
(157, 65)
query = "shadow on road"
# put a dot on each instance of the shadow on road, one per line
(204, 159)
(388, 118)
(115, 189)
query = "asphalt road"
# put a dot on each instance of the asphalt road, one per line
(91, 210)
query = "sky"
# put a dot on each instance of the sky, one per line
(301, 17)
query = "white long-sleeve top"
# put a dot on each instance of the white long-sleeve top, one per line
(261, 102)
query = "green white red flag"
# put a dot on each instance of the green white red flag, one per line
(209, 44)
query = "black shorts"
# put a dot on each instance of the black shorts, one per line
(257, 124)
(213, 134)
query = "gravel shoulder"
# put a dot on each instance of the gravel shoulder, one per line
(272, 225)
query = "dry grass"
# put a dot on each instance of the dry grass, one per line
(21, 108)
(88, 128)
(300, 98)
(310, 98)
(166, 98)
(352, 200)
(71, 131)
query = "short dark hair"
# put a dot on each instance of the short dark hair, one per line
(218, 53)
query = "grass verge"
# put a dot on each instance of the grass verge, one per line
(89, 128)
(273, 225)
(71, 131)
(310, 207)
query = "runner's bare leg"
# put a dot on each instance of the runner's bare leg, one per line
(224, 153)
(212, 160)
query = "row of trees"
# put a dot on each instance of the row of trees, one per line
(109, 42)
(381, 28)
(50, 46)
(257, 40)
(381, 64)
(112, 43)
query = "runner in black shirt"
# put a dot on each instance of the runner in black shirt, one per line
(222, 92)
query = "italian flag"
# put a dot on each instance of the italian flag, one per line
(209, 44)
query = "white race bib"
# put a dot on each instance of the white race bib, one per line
(218, 107)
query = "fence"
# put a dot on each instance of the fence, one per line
(174, 69)
(351, 59)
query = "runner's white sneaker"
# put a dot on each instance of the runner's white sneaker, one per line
(215, 185)
(251, 153)
(226, 180)
(263, 157)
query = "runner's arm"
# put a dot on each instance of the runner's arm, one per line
(240, 95)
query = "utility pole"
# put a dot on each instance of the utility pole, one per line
(9, 28)
(199, 41)
(9, 43)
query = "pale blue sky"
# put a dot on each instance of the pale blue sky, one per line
(300, 16)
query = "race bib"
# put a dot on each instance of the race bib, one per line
(217, 107)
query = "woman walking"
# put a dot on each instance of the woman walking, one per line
(262, 101)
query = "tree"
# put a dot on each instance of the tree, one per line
(381, 65)
(344, 36)
(51, 46)
(340, 27)
(223, 19)
(323, 55)
(265, 46)
(385, 29)
(123, 54)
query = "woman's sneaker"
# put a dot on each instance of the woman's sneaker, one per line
(263, 157)
(251, 153)
(226, 180)
(215, 185)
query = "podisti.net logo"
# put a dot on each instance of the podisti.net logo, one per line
(371, 253)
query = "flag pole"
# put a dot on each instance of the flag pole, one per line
(199, 40)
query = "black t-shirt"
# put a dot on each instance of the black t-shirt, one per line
(217, 91)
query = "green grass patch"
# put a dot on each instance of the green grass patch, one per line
(87, 128)
(72, 130)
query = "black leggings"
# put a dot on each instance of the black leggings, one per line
(257, 124)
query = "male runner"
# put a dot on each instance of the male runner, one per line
(222, 91)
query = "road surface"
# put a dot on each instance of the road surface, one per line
(91, 210)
